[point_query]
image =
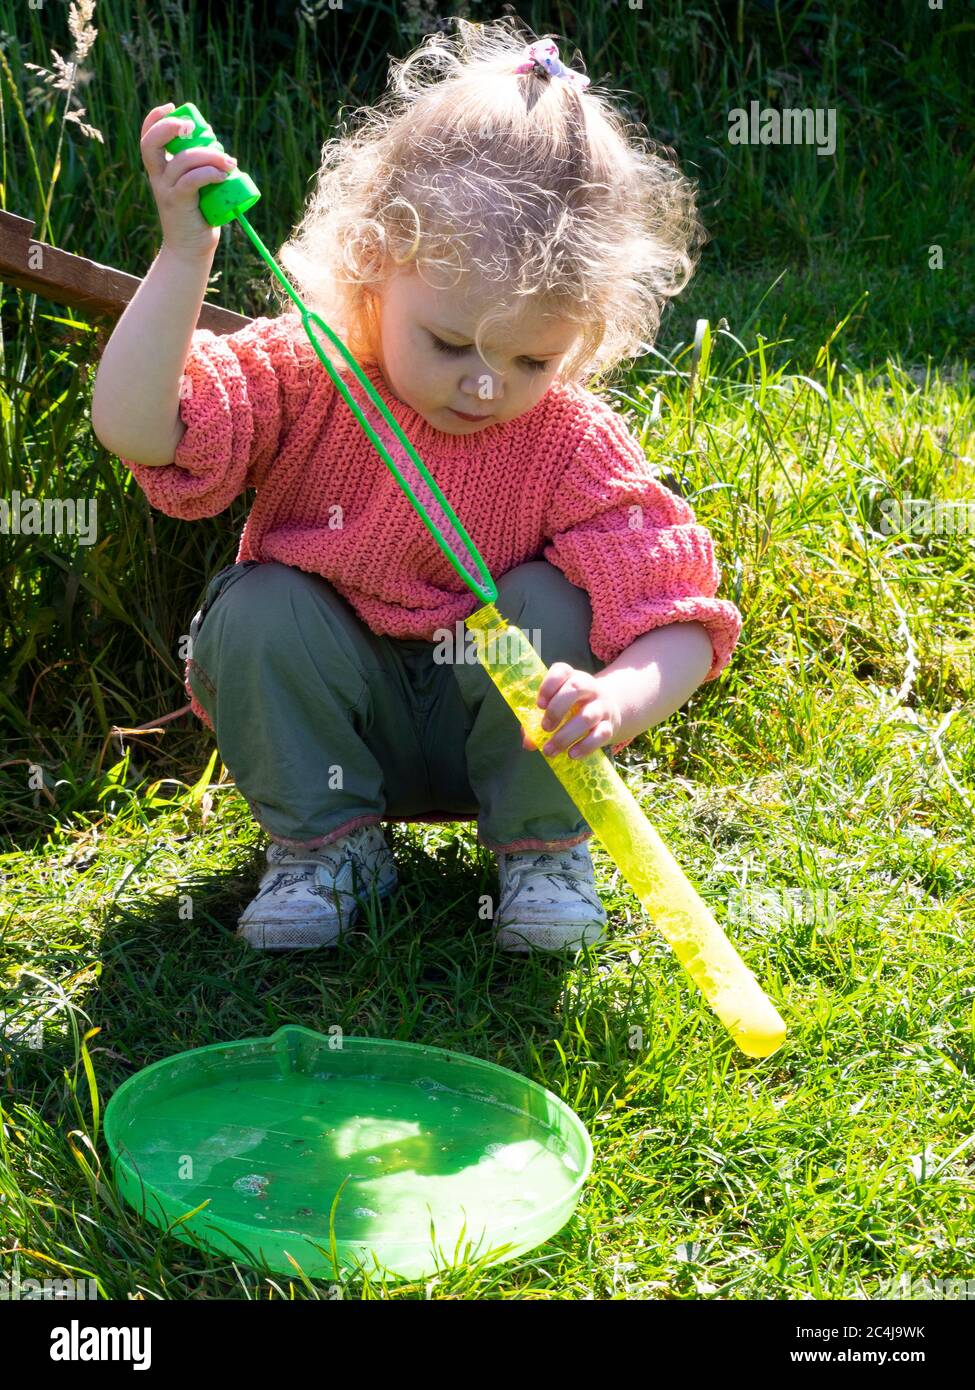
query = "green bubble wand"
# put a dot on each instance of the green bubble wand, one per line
(596, 788)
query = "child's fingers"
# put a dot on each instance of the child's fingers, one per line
(554, 678)
(157, 132)
(156, 114)
(197, 175)
(578, 689)
(563, 692)
(171, 172)
(579, 726)
(596, 739)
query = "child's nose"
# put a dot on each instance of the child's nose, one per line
(485, 386)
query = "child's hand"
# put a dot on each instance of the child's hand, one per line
(596, 718)
(176, 184)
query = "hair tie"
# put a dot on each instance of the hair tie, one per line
(545, 54)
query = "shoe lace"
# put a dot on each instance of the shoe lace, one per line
(560, 863)
(328, 860)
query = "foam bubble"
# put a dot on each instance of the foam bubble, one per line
(252, 1183)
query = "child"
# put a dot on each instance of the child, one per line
(485, 241)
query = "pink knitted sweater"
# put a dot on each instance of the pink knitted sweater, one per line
(565, 482)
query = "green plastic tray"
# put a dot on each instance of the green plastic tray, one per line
(429, 1156)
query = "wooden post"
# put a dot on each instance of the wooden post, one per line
(100, 290)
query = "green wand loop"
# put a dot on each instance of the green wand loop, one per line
(223, 202)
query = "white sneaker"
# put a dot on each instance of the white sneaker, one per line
(307, 897)
(548, 901)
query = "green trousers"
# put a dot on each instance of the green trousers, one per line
(325, 726)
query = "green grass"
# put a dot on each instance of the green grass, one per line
(809, 804)
(792, 1176)
(820, 794)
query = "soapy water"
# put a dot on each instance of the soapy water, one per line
(397, 1165)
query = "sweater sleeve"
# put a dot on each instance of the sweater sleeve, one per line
(634, 546)
(238, 394)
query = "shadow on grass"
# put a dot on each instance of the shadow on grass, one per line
(419, 966)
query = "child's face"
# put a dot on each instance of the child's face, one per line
(440, 381)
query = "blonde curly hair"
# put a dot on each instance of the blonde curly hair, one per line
(527, 181)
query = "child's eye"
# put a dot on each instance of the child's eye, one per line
(448, 347)
(453, 351)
